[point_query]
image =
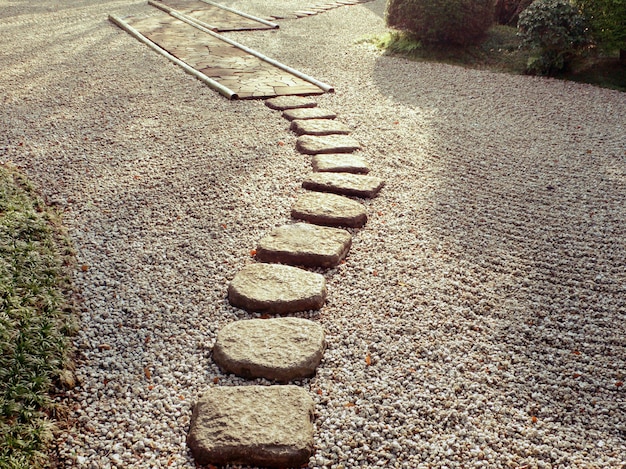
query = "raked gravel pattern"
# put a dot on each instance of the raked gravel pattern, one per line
(480, 318)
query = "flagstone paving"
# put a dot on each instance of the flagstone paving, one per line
(313, 144)
(218, 17)
(279, 349)
(329, 209)
(344, 184)
(305, 244)
(319, 127)
(266, 426)
(282, 103)
(246, 75)
(277, 289)
(308, 113)
(340, 163)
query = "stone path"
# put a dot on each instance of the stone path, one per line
(318, 8)
(231, 68)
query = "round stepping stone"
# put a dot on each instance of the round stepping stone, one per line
(282, 103)
(344, 184)
(308, 113)
(313, 145)
(281, 349)
(278, 289)
(340, 163)
(319, 127)
(305, 244)
(329, 209)
(266, 426)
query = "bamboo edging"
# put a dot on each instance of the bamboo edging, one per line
(193, 22)
(223, 90)
(241, 13)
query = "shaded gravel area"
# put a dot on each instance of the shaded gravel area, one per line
(480, 318)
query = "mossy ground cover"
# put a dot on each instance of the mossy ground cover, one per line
(500, 51)
(36, 320)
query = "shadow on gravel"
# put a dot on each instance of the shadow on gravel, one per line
(528, 218)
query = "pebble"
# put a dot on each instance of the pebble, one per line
(489, 273)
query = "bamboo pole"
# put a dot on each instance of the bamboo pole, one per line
(241, 13)
(224, 91)
(193, 22)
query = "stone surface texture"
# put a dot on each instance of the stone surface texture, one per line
(340, 163)
(305, 244)
(319, 127)
(308, 113)
(267, 426)
(313, 144)
(277, 289)
(329, 209)
(280, 349)
(344, 183)
(282, 103)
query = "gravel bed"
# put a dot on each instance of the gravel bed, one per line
(480, 318)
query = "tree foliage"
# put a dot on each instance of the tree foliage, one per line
(607, 19)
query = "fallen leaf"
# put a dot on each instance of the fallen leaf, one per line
(84, 268)
(375, 273)
(253, 252)
(576, 375)
(576, 352)
(104, 347)
(396, 122)
(136, 177)
(182, 398)
(350, 404)
(147, 372)
(534, 419)
(105, 381)
(619, 384)
(216, 380)
(265, 316)
(281, 144)
(150, 388)
(368, 360)
(223, 225)
(320, 392)
(147, 339)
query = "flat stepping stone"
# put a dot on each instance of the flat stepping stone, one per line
(344, 184)
(313, 144)
(305, 244)
(282, 103)
(329, 209)
(319, 127)
(280, 349)
(340, 163)
(266, 426)
(308, 113)
(277, 289)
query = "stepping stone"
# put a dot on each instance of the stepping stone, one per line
(282, 103)
(266, 426)
(329, 209)
(344, 184)
(305, 244)
(281, 349)
(319, 127)
(313, 145)
(308, 113)
(278, 289)
(340, 163)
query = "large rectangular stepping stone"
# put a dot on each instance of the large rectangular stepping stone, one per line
(340, 163)
(313, 144)
(305, 244)
(308, 113)
(319, 127)
(282, 103)
(277, 289)
(344, 184)
(266, 426)
(329, 209)
(280, 349)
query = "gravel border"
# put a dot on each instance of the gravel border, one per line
(487, 291)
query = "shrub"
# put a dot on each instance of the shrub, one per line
(607, 21)
(507, 11)
(456, 22)
(555, 31)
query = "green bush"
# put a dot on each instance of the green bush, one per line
(455, 22)
(555, 31)
(607, 21)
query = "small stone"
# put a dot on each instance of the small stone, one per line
(313, 145)
(267, 426)
(340, 163)
(278, 289)
(281, 349)
(308, 113)
(305, 244)
(329, 209)
(282, 103)
(319, 127)
(344, 184)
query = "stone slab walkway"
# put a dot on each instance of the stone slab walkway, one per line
(246, 75)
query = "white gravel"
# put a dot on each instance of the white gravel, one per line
(488, 287)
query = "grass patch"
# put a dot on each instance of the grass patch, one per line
(36, 320)
(500, 51)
